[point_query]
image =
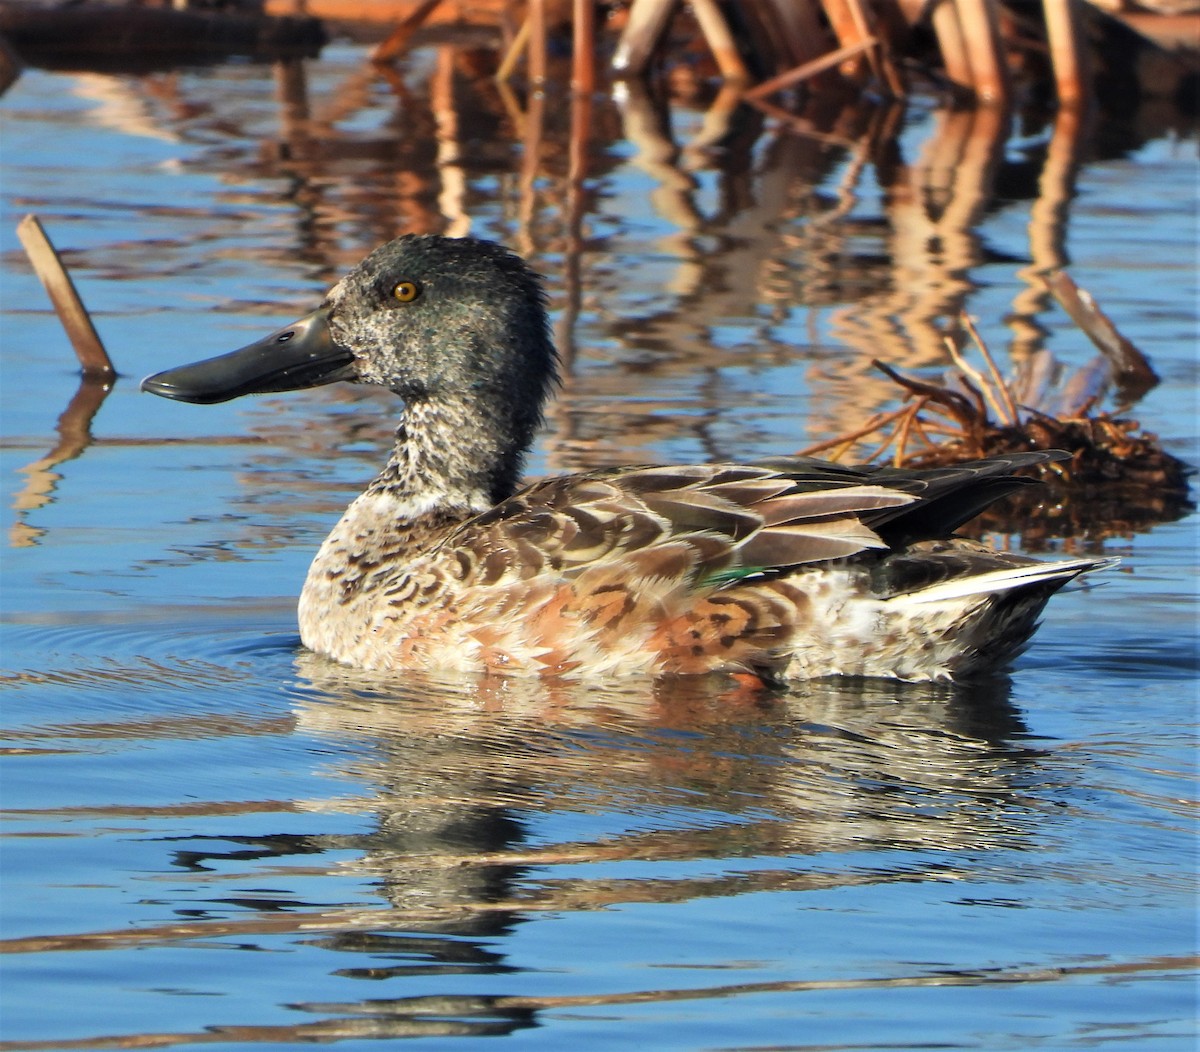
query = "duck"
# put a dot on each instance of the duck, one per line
(776, 570)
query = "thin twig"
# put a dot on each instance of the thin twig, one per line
(958, 407)
(906, 423)
(874, 424)
(809, 69)
(971, 372)
(919, 426)
(879, 450)
(513, 55)
(1014, 418)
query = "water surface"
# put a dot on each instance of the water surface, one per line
(214, 837)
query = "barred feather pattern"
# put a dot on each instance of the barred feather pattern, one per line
(778, 569)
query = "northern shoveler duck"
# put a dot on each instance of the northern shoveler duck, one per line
(785, 568)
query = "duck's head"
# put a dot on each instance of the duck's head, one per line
(435, 319)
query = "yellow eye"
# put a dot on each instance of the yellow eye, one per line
(406, 291)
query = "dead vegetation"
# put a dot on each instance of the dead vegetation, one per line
(1119, 479)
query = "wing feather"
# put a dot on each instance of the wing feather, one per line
(718, 524)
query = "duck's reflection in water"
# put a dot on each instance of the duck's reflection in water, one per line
(490, 802)
(471, 780)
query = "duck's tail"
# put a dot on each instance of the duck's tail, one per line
(977, 624)
(1033, 575)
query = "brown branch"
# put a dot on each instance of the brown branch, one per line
(876, 422)
(957, 406)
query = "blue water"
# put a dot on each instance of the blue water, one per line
(213, 837)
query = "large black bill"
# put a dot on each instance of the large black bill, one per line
(302, 354)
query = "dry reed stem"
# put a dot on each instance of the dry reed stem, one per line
(879, 450)
(874, 424)
(513, 55)
(906, 425)
(73, 315)
(647, 21)
(809, 69)
(1010, 413)
(583, 37)
(396, 42)
(981, 35)
(878, 59)
(1065, 38)
(536, 56)
(847, 32)
(720, 41)
(982, 384)
(949, 32)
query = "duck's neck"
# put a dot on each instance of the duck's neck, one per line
(452, 458)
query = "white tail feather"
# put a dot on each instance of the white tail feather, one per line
(1002, 580)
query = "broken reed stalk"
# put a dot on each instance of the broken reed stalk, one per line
(1133, 371)
(809, 69)
(93, 358)
(396, 43)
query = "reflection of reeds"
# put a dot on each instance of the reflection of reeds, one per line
(74, 430)
(779, 43)
(754, 230)
(446, 768)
